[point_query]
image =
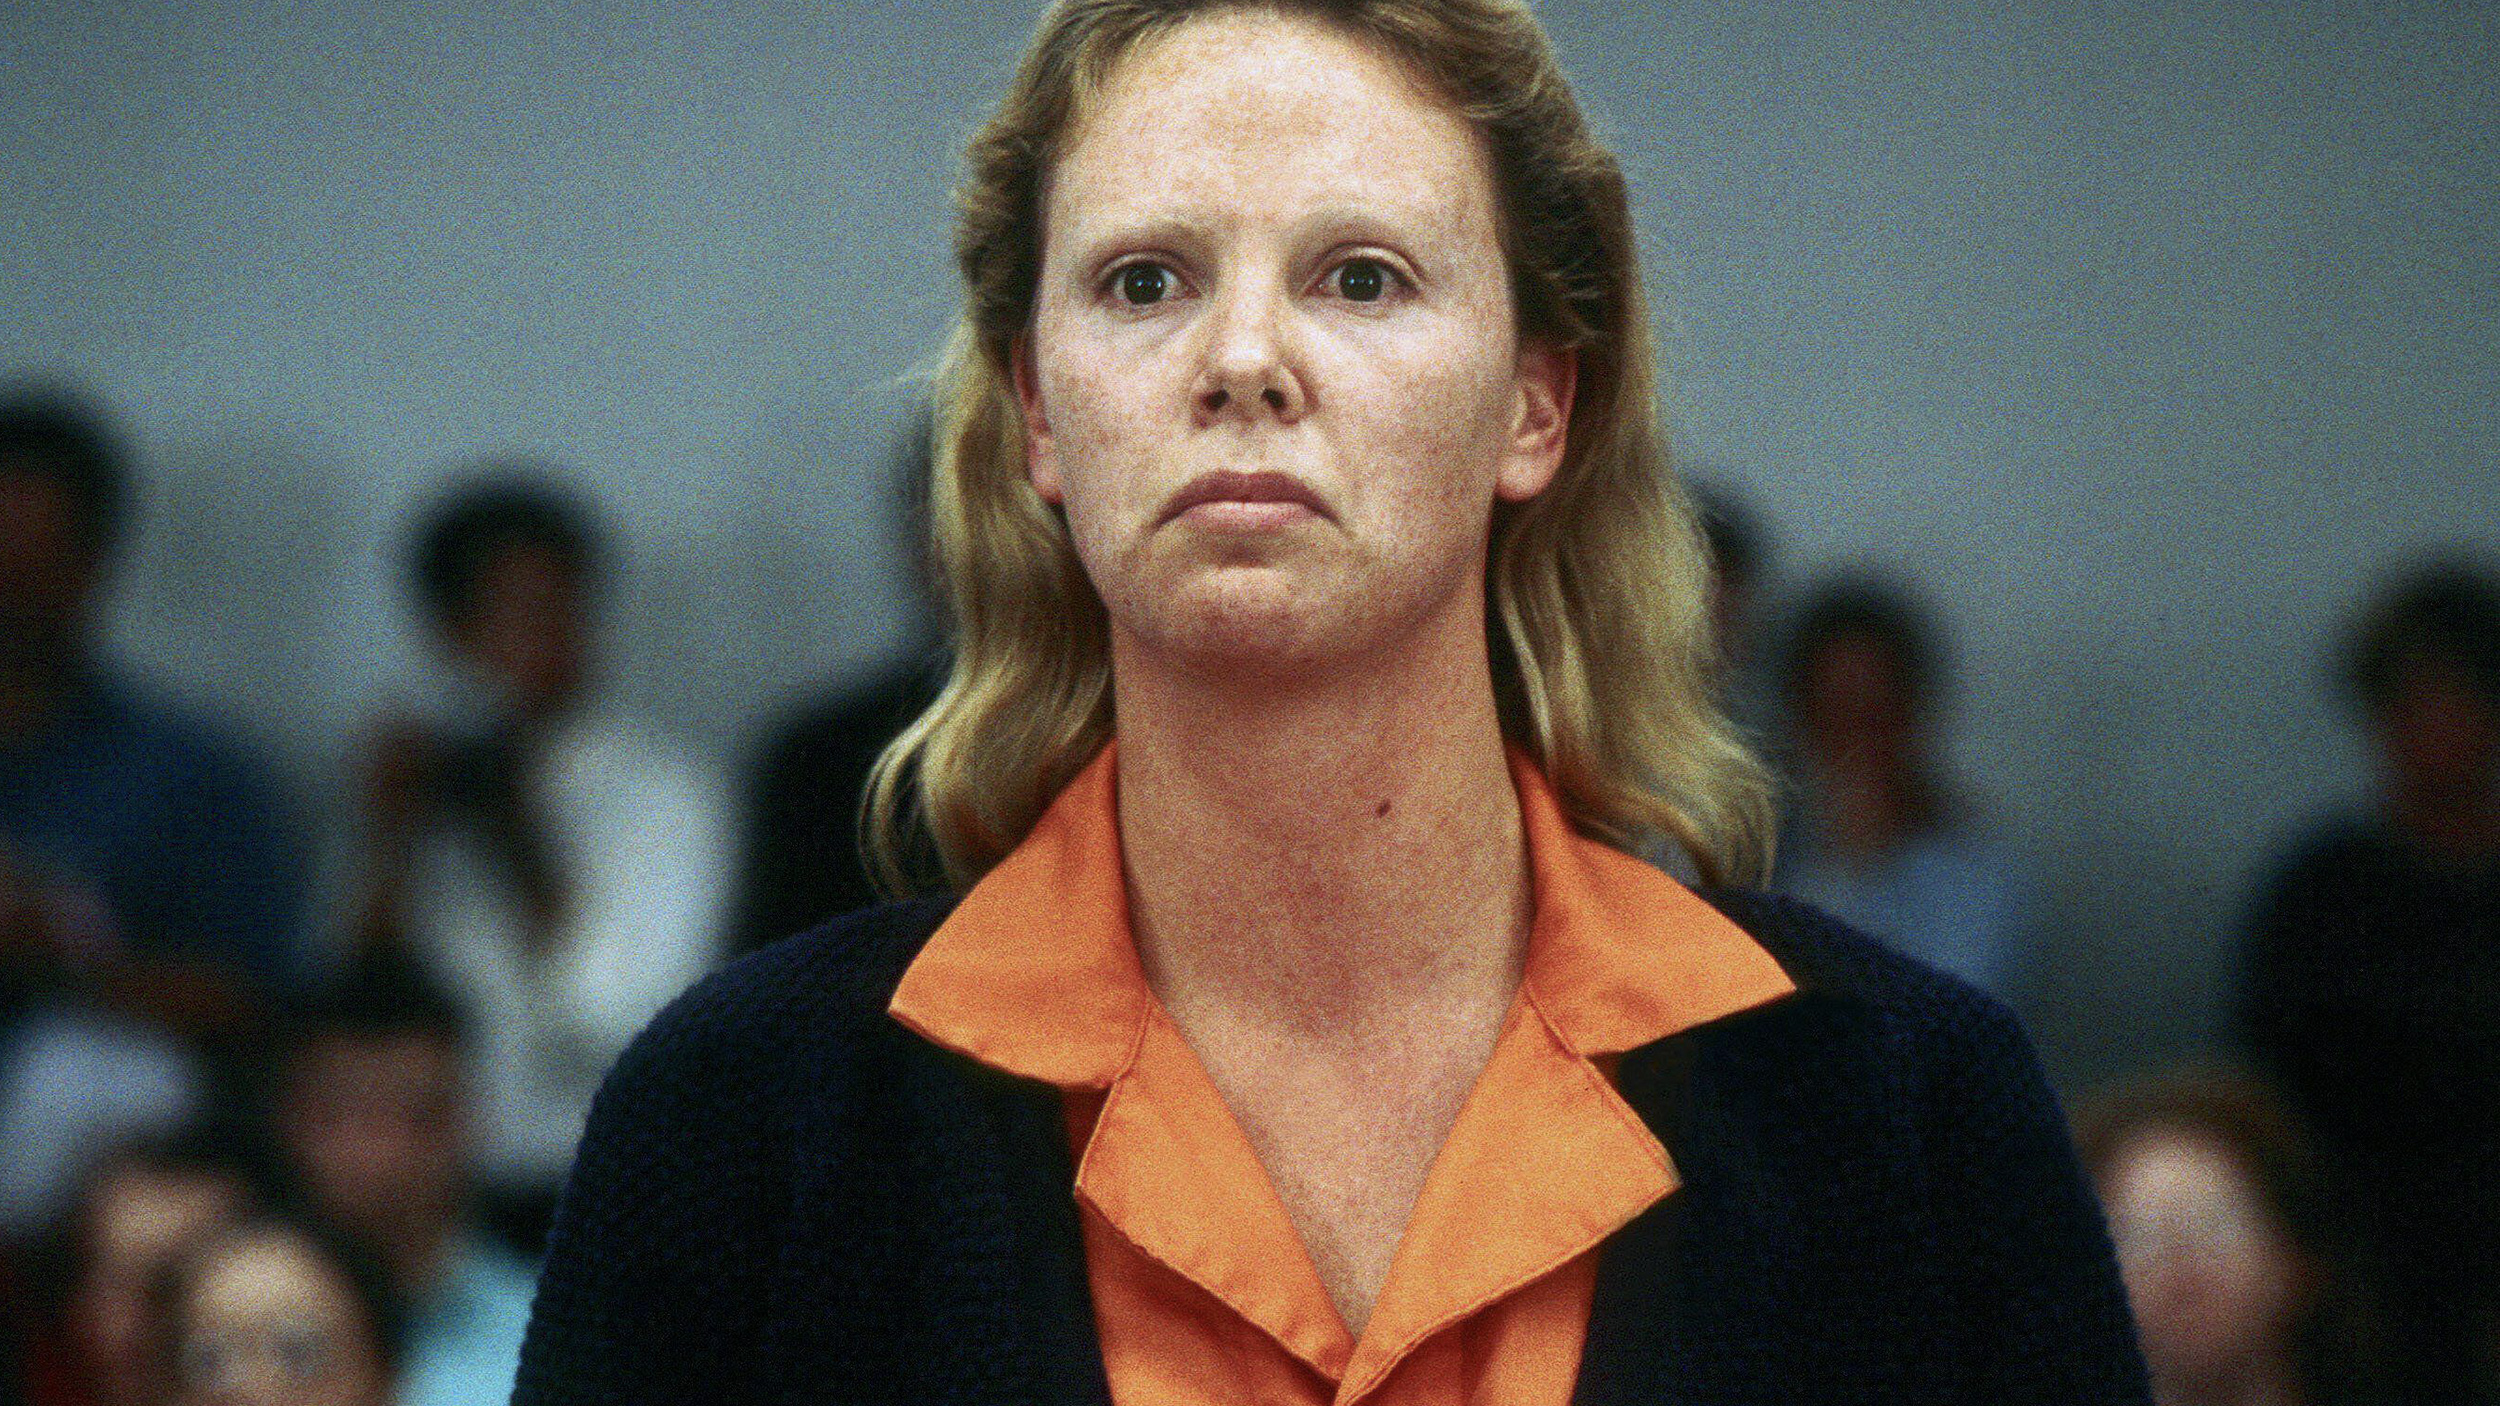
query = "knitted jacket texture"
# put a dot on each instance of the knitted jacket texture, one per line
(784, 1196)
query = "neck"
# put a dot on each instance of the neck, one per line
(2265, 1381)
(1332, 859)
(418, 1254)
(1865, 807)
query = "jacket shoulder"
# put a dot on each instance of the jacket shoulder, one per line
(665, 1261)
(1839, 968)
(1879, 1032)
(1912, 1116)
(838, 976)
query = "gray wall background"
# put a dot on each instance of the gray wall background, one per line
(2144, 335)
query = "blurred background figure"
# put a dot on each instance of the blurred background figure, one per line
(1738, 562)
(371, 1111)
(2372, 970)
(150, 878)
(96, 1338)
(561, 874)
(802, 862)
(280, 1312)
(2245, 1285)
(1875, 836)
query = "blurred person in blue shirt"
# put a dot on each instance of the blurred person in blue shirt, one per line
(1876, 838)
(150, 878)
(371, 1109)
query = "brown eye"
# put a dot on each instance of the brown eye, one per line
(1141, 284)
(1362, 280)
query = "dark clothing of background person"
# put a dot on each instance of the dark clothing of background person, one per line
(802, 864)
(177, 836)
(157, 877)
(2372, 993)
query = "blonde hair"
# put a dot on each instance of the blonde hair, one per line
(1597, 611)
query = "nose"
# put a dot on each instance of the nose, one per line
(1249, 371)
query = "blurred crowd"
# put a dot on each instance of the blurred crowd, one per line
(286, 1113)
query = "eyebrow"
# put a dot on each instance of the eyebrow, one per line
(1176, 230)
(1183, 231)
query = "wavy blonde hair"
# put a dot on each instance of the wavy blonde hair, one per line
(1597, 610)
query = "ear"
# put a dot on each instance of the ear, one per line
(1041, 455)
(1546, 379)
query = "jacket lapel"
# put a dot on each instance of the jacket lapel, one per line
(1697, 1299)
(1051, 1338)
(1643, 1318)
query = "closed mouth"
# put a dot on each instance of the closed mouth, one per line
(1233, 486)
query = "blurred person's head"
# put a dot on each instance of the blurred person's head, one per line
(507, 571)
(1472, 434)
(2424, 668)
(2226, 1237)
(1736, 552)
(909, 464)
(136, 1210)
(280, 1311)
(370, 1109)
(62, 487)
(1859, 675)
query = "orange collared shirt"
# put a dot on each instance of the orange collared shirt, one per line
(1203, 1292)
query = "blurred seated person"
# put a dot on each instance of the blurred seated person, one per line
(2371, 987)
(280, 1311)
(559, 873)
(149, 876)
(1876, 838)
(371, 1112)
(96, 1340)
(802, 862)
(2245, 1288)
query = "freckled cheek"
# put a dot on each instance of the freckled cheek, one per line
(1107, 448)
(1434, 443)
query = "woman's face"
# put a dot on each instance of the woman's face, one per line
(270, 1323)
(1272, 271)
(2214, 1283)
(1853, 707)
(140, 1220)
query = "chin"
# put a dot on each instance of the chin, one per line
(1241, 622)
(1277, 618)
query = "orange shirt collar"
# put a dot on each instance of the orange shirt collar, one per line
(1036, 972)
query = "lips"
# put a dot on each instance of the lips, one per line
(1232, 486)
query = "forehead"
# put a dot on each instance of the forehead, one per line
(333, 1063)
(2168, 1164)
(268, 1276)
(144, 1211)
(1251, 115)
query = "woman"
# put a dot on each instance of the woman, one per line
(2238, 1270)
(1328, 633)
(279, 1312)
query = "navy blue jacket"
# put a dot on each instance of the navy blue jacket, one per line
(785, 1196)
